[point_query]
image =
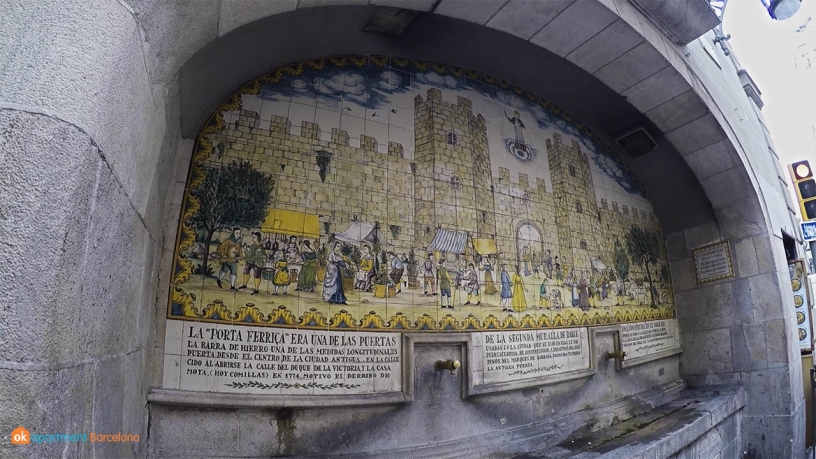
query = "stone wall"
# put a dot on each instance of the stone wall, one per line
(91, 95)
(449, 183)
(338, 200)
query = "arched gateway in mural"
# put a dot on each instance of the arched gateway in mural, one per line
(332, 203)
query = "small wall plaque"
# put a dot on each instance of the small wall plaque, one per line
(713, 262)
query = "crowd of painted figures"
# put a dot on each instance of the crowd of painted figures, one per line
(454, 279)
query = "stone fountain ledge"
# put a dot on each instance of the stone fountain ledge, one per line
(696, 424)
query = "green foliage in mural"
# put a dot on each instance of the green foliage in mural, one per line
(644, 249)
(207, 272)
(323, 159)
(322, 254)
(395, 230)
(621, 263)
(412, 266)
(353, 254)
(232, 195)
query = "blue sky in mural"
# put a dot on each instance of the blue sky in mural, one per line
(370, 88)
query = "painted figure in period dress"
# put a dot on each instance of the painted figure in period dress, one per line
(583, 293)
(307, 279)
(429, 275)
(281, 279)
(395, 270)
(489, 285)
(518, 126)
(365, 272)
(506, 288)
(471, 283)
(525, 258)
(255, 256)
(548, 263)
(445, 282)
(519, 301)
(333, 282)
(229, 252)
(543, 296)
(292, 252)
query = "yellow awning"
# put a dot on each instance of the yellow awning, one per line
(485, 246)
(291, 223)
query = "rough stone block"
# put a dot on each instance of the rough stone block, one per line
(742, 219)
(676, 246)
(236, 13)
(711, 379)
(749, 348)
(45, 401)
(111, 100)
(766, 297)
(706, 352)
(778, 338)
(260, 432)
(109, 394)
(728, 187)
(188, 432)
(678, 111)
(632, 67)
(746, 258)
(769, 392)
(605, 47)
(657, 89)
(574, 26)
(713, 159)
(701, 235)
(683, 276)
(695, 135)
(772, 436)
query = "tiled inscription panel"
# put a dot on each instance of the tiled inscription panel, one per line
(512, 356)
(647, 338)
(262, 360)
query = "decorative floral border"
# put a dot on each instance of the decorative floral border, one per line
(286, 385)
(180, 303)
(313, 319)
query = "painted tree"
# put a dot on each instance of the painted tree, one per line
(644, 249)
(323, 159)
(621, 264)
(234, 195)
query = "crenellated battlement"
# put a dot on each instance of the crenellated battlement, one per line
(244, 134)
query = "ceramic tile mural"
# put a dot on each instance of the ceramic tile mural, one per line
(397, 195)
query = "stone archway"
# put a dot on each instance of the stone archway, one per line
(529, 246)
(144, 66)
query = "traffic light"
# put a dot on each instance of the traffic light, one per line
(805, 186)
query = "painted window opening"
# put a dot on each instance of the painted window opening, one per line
(456, 183)
(317, 222)
(452, 138)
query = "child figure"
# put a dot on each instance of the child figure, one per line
(543, 297)
(281, 278)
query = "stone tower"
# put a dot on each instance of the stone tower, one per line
(453, 178)
(576, 211)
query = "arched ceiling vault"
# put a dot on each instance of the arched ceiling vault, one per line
(610, 73)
